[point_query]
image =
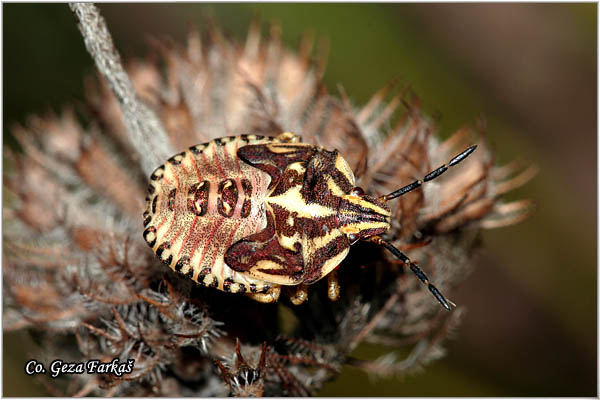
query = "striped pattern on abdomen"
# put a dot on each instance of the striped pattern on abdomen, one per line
(200, 202)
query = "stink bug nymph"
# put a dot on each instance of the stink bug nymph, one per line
(249, 214)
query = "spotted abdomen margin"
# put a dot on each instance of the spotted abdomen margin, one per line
(200, 202)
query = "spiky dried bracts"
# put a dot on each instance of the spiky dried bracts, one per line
(79, 276)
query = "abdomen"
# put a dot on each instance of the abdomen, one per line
(200, 202)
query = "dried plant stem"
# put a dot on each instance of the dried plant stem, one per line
(145, 129)
(373, 323)
(88, 287)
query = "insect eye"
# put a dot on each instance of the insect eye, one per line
(353, 238)
(358, 191)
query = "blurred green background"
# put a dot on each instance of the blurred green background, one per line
(530, 69)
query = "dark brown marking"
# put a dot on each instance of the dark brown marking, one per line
(147, 218)
(246, 208)
(190, 273)
(171, 202)
(315, 188)
(151, 189)
(202, 275)
(227, 284)
(309, 227)
(215, 282)
(197, 199)
(253, 288)
(150, 229)
(321, 168)
(154, 204)
(177, 158)
(274, 163)
(156, 175)
(242, 288)
(289, 179)
(164, 246)
(200, 279)
(314, 268)
(247, 205)
(228, 196)
(247, 138)
(245, 253)
(247, 187)
(197, 149)
(161, 249)
(224, 140)
(183, 261)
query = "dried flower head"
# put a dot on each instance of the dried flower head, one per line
(78, 274)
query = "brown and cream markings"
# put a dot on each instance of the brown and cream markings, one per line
(248, 214)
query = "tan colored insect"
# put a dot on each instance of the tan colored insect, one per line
(250, 214)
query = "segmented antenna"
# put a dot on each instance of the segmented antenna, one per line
(430, 176)
(403, 190)
(415, 269)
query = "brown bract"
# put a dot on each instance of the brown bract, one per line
(78, 274)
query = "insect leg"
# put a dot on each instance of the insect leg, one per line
(288, 137)
(333, 286)
(415, 269)
(300, 295)
(271, 296)
(430, 176)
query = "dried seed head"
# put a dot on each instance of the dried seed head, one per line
(76, 265)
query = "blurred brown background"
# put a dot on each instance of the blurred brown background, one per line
(530, 69)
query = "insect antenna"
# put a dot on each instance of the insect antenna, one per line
(415, 269)
(430, 176)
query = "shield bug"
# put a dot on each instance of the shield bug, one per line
(250, 214)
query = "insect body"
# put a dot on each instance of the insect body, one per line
(248, 214)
